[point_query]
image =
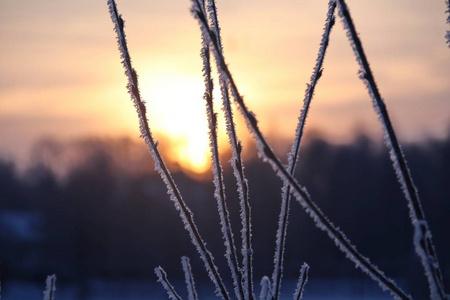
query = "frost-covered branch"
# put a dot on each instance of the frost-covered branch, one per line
(189, 278)
(266, 289)
(295, 150)
(301, 282)
(219, 185)
(162, 278)
(302, 196)
(185, 213)
(236, 159)
(447, 36)
(422, 234)
(50, 287)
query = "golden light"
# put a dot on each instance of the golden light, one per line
(176, 109)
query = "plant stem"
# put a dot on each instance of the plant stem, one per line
(299, 192)
(422, 234)
(295, 150)
(185, 213)
(236, 163)
(189, 278)
(219, 185)
(162, 278)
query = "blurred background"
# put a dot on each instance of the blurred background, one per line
(78, 194)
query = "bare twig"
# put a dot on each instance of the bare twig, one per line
(301, 282)
(299, 192)
(50, 287)
(236, 161)
(219, 185)
(189, 278)
(447, 36)
(185, 213)
(266, 291)
(162, 278)
(422, 234)
(293, 155)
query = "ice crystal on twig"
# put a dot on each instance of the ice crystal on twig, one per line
(50, 287)
(303, 278)
(447, 36)
(266, 290)
(189, 278)
(162, 278)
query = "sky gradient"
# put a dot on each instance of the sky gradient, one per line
(61, 77)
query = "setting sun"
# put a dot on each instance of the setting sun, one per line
(176, 109)
(113, 160)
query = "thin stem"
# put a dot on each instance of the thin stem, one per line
(303, 278)
(422, 234)
(185, 213)
(295, 150)
(219, 185)
(236, 162)
(447, 35)
(299, 192)
(189, 278)
(162, 278)
(50, 287)
(266, 292)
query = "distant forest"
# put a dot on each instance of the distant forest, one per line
(96, 209)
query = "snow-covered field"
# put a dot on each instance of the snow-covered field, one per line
(316, 289)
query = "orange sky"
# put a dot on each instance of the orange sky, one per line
(60, 72)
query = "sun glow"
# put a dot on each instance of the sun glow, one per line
(176, 109)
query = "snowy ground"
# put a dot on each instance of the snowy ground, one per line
(317, 289)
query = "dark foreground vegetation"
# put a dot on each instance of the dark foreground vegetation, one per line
(108, 215)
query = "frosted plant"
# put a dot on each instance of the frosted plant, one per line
(303, 278)
(266, 289)
(300, 193)
(189, 278)
(185, 213)
(447, 36)
(236, 159)
(205, 12)
(293, 155)
(422, 234)
(162, 278)
(50, 287)
(219, 185)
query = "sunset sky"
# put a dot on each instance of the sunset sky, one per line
(61, 77)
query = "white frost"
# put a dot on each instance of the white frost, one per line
(50, 287)
(266, 293)
(212, 35)
(303, 278)
(447, 36)
(294, 153)
(219, 186)
(172, 189)
(189, 279)
(266, 152)
(422, 241)
(162, 278)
